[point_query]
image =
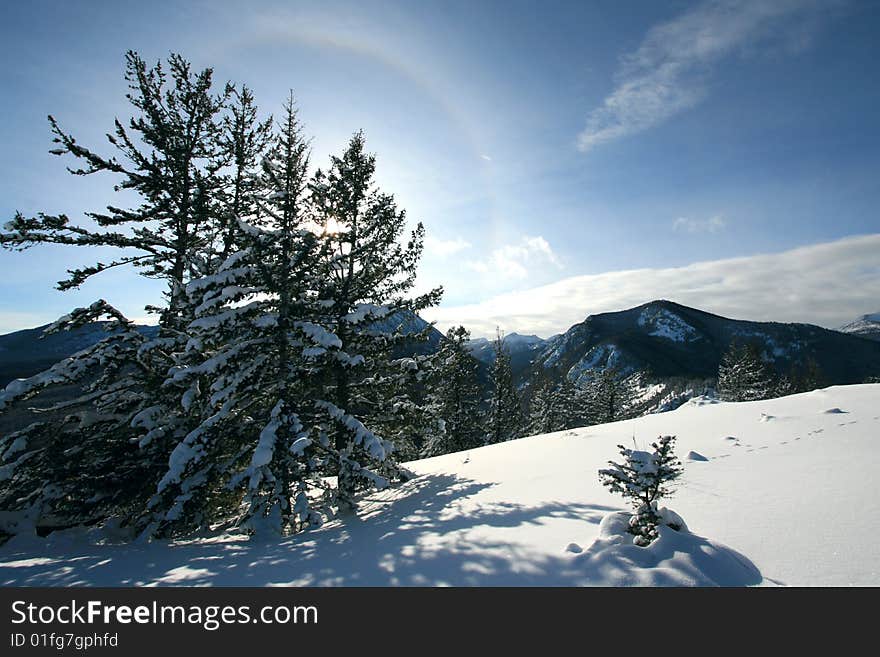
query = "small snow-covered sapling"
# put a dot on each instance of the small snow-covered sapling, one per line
(644, 478)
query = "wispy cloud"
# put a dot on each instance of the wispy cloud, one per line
(710, 225)
(668, 73)
(826, 284)
(513, 261)
(486, 157)
(444, 248)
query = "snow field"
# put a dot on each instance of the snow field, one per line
(785, 496)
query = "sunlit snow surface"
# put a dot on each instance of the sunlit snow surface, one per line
(785, 496)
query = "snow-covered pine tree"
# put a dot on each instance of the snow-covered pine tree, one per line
(610, 395)
(399, 409)
(554, 407)
(454, 398)
(728, 373)
(257, 444)
(782, 387)
(77, 464)
(506, 420)
(567, 402)
(644, 478)
(368, 275)
(757, 377)
(400, 412)
(542, 416)
(742, 374)
(169, 157)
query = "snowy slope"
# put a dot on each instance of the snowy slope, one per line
(785, 495)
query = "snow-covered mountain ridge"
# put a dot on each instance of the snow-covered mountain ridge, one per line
(866, 326)
(671, 340)
(522, 349)
(665, 338)
(774, 492)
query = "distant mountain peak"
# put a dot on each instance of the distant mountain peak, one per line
(866, 326)
(672, 340)
(522, 349)
(519, 337)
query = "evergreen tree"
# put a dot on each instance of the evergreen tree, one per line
(644, 478)
(743, 376)
(568, 402)
(126, 420)
(83, 462)
(259, 348)
(454, 398)
(401, 412)
(542, 416)
(555, 408)
(808, 376)
(610, 395)
(399, 396)
(782, 387)
(245, 140)
(728, 373)
(368, 274)
(174, 174)
(506, 421)
(275, 367)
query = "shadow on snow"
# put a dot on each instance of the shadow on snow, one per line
(417, 534)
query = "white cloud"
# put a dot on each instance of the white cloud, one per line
(667, 74)
(511, 261)
(445, 248)
(826, 284)
(486, 157)
(710, 225)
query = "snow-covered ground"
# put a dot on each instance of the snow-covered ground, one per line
(784, 492)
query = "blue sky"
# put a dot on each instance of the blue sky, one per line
(613, 151)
